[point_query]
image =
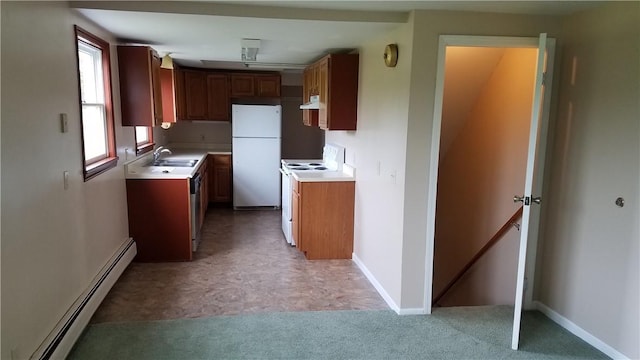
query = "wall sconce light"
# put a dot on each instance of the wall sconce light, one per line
(167, 62)
(250, 49)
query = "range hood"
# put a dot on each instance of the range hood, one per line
(313, 104)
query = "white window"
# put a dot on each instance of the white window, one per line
(94, 120)
(98, 139)
(144, 139)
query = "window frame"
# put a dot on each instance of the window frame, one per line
(97, 167)
(146, 146)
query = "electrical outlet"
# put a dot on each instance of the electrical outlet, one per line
(64, 123)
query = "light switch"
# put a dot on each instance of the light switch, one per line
(64, 124)
(65, 177)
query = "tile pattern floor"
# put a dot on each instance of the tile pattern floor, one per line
(243, 266)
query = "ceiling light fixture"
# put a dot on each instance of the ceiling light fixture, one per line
(167, 62)
(250, 49)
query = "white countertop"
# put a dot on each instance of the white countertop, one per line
(347, 174)
(137, 168)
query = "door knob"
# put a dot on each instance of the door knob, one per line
(518, 198)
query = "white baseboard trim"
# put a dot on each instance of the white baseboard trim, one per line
(412, 311)
(578, 331)
(62, 338)
(372, 279)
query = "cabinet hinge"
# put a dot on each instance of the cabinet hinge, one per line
(544, 78)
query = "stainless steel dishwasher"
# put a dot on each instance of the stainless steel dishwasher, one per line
(194, 186)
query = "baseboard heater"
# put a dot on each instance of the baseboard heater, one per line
(60, 341)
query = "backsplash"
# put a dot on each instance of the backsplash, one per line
(199, 133)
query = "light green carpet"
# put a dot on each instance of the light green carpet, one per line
(450, 333)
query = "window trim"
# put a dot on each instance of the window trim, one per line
(99, 166)
(145, 146)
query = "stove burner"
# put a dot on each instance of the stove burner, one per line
(293, 164)
(300, 168)
(316, 164)
(320, 168)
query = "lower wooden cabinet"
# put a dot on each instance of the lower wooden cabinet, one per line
(220, 187)
(160, 219)
(322, 218)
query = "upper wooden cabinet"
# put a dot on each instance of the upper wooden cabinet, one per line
(140, 87)
(255, 85)
(338, 90)
(195, 90)
(242, 85)
(267, 85)
(218, 97)
(335, 79)
(168, 84)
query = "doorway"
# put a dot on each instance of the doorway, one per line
(486, 116)
(536, 145)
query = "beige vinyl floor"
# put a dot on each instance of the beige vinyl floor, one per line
(243, 265)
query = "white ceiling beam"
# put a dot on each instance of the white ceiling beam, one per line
(267, 12)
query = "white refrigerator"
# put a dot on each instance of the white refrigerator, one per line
(255, 145)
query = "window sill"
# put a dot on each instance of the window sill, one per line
(144, 148)
(99, 167)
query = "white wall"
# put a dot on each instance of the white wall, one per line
(53, 241)
(379, 144)
(589, 269)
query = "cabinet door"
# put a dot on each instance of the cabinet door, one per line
(167, 81)
(306, 84)
(195, 83)
(315, 79)
(138, 106)
(310, 117)
(218, 97)
(242, 85)
(180, 100)
(157, 88)
(267, 85)
(323, 88)
(211, 178)
(220, 191)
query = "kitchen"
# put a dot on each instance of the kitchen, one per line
(250, 179)
(241, 175)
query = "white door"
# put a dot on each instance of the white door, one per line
(533, 182)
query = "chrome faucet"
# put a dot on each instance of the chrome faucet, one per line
(157, 152)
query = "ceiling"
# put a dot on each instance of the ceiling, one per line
(208, 34)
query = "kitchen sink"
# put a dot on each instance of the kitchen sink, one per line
(174, 163)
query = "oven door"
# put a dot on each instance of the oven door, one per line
(286, 205)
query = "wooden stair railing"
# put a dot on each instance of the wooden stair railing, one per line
(494, 240)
